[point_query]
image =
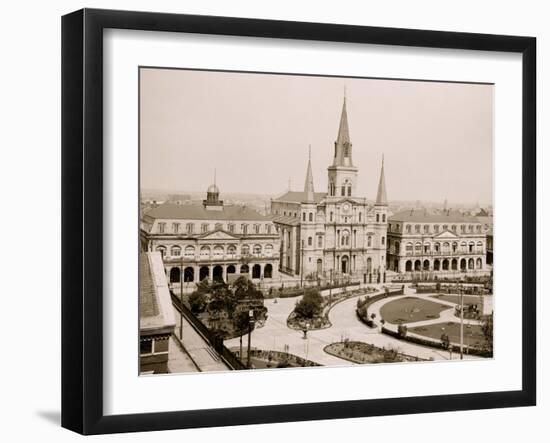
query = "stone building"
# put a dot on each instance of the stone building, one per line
(211, 241)
(445, 243)
(156, 315)
(334, 233)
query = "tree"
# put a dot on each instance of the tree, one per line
(310, 305)
(198, 301)
(240, 322)
(445, 342)
(402, 331)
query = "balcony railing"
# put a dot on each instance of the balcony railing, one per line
(438, 253)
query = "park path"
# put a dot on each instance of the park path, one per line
(275, 334)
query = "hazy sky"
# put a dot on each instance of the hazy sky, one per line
(255, 130)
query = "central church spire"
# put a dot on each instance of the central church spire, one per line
(342, 175)
(342, 146)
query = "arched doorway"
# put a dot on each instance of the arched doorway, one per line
(454, 264)
(245, 269)
(345, 267)
(231, 269)
(463, 264)
(268, 271)
(479, 263)
(408, 266)
(437, 265)
(426, 266)
(256, 271)
(217, 273)
(203, 273)
(396, 265)
(319, 266)
(369, 265)
(188, 274)
(417, 265)
(471, 263)
(445, 265)
(174, 275)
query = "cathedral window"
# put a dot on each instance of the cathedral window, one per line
(369, 241)
(359, 217)
(310, 241)
(377, 218)
(343, 192)
(331, 215)
(304, 216)
(319, 241)
(383, 218)
(311, 216)
(383, 240)
(349, 191)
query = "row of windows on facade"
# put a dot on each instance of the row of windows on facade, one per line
(444, 247)
(436, 228)
(345, 189)
(310, 216)
(205, 227)
(216, 251)
(345, 240)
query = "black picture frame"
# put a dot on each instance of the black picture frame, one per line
(82, 219)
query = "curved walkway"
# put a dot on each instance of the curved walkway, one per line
(275, 334)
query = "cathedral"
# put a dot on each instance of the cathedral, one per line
(333, 234)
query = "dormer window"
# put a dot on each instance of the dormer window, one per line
(162, 227)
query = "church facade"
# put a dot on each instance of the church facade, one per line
(333, 234)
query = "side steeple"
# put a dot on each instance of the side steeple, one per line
(309, 190)
(381, 197)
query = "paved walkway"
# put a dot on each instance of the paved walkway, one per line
(275, 334)
(200, 352)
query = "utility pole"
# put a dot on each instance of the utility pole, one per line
(461, 323)
(330, 289)
(250, 322)
(181, 298)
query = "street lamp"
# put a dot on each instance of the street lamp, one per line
(250, 324)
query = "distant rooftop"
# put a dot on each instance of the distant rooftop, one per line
(199, 212)
(299, 197)
(422, 215)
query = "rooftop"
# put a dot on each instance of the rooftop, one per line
(299, 197)
(155, 312)
(422, 215)
(199, 212)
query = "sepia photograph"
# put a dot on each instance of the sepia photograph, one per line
(300, 221)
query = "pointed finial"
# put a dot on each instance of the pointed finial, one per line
(345, 94)
(310, 152)
(289, 183)
(382, 159)
(214, 175)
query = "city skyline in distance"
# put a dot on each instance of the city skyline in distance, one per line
(255, 129)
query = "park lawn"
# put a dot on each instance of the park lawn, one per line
(468, 299)
(473, 334)
(410, 310)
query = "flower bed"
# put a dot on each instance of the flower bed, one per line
(362, 353)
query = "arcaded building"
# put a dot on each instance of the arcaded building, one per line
(448, 242)
(333, 233)
(211, 240)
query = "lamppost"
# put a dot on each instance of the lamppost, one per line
(250, 324)
(302, 263)
(461, 323)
